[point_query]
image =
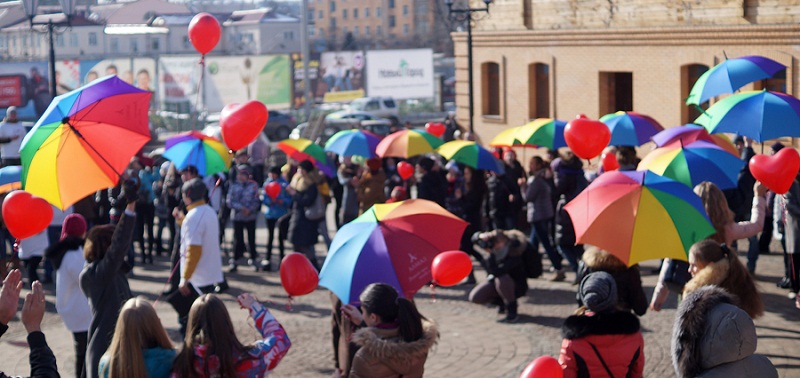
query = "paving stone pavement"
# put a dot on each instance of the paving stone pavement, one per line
(471, 344)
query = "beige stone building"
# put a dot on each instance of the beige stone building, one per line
(557, 58)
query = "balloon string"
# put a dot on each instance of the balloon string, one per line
(289, 303)
(433, 292)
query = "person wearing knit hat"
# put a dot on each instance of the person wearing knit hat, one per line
(66, 255)
(599, 340)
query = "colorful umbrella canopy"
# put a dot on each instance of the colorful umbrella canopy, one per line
(630, 128)
(543, 132)
(731, 75)
(10, 178)
(694, 163)
(206, 153)
(471, 154)
(690, 133)
(391, 243)
(353, 143)
(407, 143)
(760, 115)
(639, 216)
(84, 141)
(302, 149)
(506, 138)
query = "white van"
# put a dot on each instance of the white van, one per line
(381, 107)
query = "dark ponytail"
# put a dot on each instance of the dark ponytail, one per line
(382, 300)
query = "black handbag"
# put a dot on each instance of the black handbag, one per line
(183, 303)
(677, 275)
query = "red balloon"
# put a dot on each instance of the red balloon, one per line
(298, 276)
(437, 129)
(405, 170)
(610, 162)
(543, 367)
(451, 267)
(586, 138)
(204, 32)
(241, 123)
(26, 215)
(273, 189)
(776, 172)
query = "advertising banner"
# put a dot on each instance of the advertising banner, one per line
(178, 83)
(342, 76)
(27, 86)
(297, 78)
(401, 74)
(236, 79)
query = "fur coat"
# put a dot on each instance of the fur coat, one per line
(384, 354)
(712, 337)
(718, 274)
(629, 280)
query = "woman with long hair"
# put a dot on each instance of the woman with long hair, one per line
(712, 263)
(140, 346)
(211, 348)
(303, 231)
(394, 339)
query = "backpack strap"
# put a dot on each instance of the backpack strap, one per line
(602, 361)
(633, 361)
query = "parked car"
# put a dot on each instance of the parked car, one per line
(349, 114)
(279, 125)
(378, 127)
(380, 107)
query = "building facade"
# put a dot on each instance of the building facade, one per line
(558, 59)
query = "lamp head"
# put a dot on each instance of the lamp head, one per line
(449, 3)
(68, 6)
(30, 7)
(487, 2)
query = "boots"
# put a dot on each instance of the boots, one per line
(511, 313)
(560, 275)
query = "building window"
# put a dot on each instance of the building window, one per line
(186, 42)
(319, 14)
(391, 21)
(156, 44)
(288, 36)
(378, 30)
(355, 13)
(92, 39)
(366, 31)
(777, 83)
(366, 12)
(60, 40)
(333, 6)
(344, 30)
(405, 29)
(377, 11)
(391, 4)
(689, 75)
(616, 92)
(134, 45)
(538, 91)
(114, 45)
(333, 22)
(355, 31)
(73, 40)
(344, 14)
(422, 27)
(405, 10)
(310, 15)
(321, 32)
(490, 80)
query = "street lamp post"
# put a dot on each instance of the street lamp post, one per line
(67, 6)
(461, 15)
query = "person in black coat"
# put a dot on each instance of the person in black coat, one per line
(507, 279)
(303, 231)
(630, 294)
(431, 186)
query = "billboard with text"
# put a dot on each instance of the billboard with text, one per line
(401, 74)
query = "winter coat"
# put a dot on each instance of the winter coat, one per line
(500, 187)
(790, 202)
(746, 229)
(73, 306)
(157, 361)
(41, 357)
(718, 274)
(539, 199)
(713, 338)
(345, 175)
(303, 231)
(274, 209)
(509, 261)
(244, 196)
(615, 336)
(370, 190)
(384, 354)
(105, 284)
(630, 293)
(432, 187)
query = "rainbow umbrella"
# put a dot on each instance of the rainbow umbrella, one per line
(84, 141)
(353, 143)
(407, 143)
(471, 154)
(391, 243)
(206, 153)
(690, 133)
(759, 115)
(543, 132)
(630, 128)
(639, 216)
(10, 178)
(694, 163)
(302, 149)
(506, 138)
(730, 75)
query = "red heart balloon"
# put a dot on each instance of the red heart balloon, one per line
(776, 172)
(585, 137)
(298, 276)
(273, 189)
(437, 129)
(451, 267)
(26, 215)
(241, 123)
(610, 162)
(405, 170)
(543, 367)
(204, 32)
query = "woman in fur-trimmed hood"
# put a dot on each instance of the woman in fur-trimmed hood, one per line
(631, 295)
(711, 263)
(712, 337)
(394, 339)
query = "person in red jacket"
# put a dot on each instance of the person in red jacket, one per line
(600, 340)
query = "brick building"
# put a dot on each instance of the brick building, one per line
(548, 58)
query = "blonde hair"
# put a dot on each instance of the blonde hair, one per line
(138, 328)
(738, 280)
(716, 207)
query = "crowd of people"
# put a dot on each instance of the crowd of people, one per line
(93, 246)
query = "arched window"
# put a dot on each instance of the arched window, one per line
(490, 83)
(689, 75)
(538, 90)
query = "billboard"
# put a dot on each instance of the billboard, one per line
(298, 99)
(26, 86)
(401, 74)
(342, 76)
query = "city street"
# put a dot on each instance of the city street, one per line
(472, 344)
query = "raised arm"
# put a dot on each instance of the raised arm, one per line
(276, 342)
